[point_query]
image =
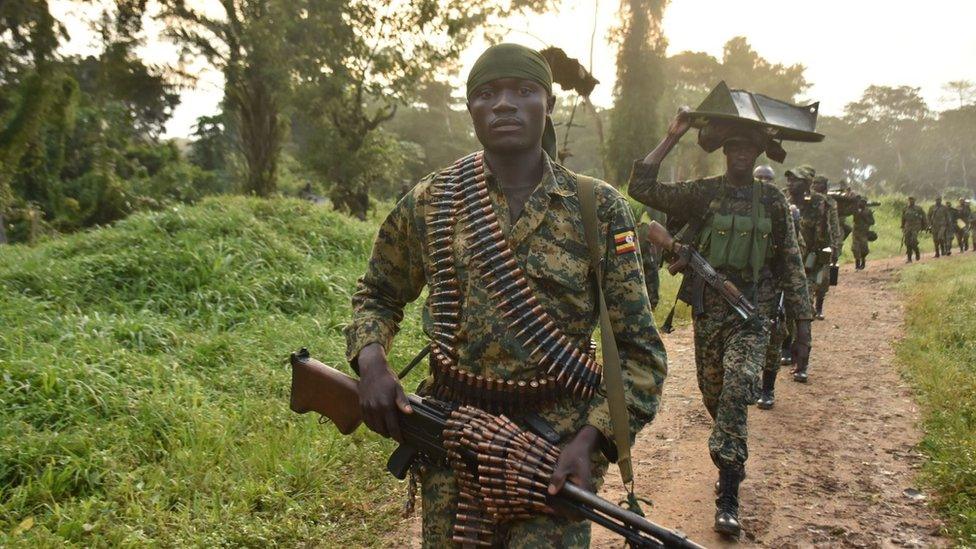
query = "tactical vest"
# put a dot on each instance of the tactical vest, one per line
(737, 244)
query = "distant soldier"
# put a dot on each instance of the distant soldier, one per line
(814, 222)
(940, 221)
(963, 218)
(863, 220)
(913, 220)
(820, 185)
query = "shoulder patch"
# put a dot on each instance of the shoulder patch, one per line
(625, 241)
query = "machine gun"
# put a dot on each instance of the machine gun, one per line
(688, 257)
(316, 387)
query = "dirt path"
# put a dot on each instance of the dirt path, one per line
(828, 466)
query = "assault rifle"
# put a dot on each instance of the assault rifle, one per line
(688, 257)
(316, 387)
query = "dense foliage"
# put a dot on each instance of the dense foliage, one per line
(143, 393)
(939, 358)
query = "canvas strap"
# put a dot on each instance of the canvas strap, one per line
(612, 373)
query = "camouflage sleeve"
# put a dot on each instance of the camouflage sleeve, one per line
(793, 279)
(836, 233)
(642, 355)
(685, 199)
(394, 277)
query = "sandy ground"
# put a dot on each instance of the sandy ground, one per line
(828, 466)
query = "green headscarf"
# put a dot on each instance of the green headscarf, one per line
(515, 61)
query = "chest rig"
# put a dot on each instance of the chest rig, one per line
(460, 203)
(737, 244)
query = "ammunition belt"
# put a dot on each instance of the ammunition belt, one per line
(460, 199)
(502, 473)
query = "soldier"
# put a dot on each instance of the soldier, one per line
(913, 220)
(816, 231)
(534, 236)
(729, 353)
(820, 186)
(940, 221)
(962, 222)
(650, 255)
(863, 220)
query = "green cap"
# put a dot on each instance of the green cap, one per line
(805, 171)
(515, 61)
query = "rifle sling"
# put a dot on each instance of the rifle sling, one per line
(612, 373)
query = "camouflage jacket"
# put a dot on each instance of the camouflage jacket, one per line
(815, 222)
(913, 219)
(940, 217)
(550, 247)
(693, 199)
(863, 220)
(833, 225)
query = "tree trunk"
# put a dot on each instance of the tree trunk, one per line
(3, 228)
(598, 124)
(260, 133)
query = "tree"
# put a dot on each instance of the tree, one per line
(890, 122)
(963, 91)
(384, 51)
(251, 42)
(640, 84)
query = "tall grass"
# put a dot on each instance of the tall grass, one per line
(143, 393)
(938, 356)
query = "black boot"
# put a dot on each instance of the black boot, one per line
(800, 374)
(819, 304)
(786, 353)
(727, 502)
(767, 397)
(918, 255)
(909, 257)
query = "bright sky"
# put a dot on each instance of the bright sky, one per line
(846, 45)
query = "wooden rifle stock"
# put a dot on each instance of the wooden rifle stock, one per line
(316, 387)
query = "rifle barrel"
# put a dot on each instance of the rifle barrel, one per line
(670, 538)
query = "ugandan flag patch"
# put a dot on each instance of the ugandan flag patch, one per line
(625, 241)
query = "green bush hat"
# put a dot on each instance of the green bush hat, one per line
(515, 61)
(802, 172)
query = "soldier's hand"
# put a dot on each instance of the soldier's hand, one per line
(802, 342)
(381, 397)
(681, 123)
(574, 462)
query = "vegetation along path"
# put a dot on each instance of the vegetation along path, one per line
(829, 465)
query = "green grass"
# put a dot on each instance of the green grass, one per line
(938, 356)
(144, 386)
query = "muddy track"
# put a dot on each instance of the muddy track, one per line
(828, 466)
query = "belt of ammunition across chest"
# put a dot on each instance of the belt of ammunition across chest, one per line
(460, 201)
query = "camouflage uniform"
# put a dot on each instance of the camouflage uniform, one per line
(962, 222)
(549, 245)
(836, 238)
(782, 328)
(729, 353)
(817, 234)
(940, 220)
(863, 220)
(913, 220)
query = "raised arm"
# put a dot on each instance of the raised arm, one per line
(671, 198)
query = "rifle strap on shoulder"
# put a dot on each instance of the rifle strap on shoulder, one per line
(612, 373)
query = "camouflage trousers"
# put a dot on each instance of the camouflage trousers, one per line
(774, 350)
(860, 246)
(439, 496)
(729, 355)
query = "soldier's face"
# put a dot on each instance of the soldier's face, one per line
(820, 187)
(911, 201)
(740, 156)
(797, 186)
(509, 114)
